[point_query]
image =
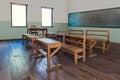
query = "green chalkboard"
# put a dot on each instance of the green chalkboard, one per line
(96, 18)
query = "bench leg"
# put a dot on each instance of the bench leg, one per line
(75, 58)
(104, 47)
(108, 46)
(84, 56)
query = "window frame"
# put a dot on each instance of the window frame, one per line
(25, 14)
(51, 16)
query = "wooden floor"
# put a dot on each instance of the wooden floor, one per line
(16, 65)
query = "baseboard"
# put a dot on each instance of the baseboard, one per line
(9, 39)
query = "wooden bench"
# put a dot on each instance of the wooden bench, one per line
(52, 36)
(60, 35)
(74, 44)
(61, 32)
(102, 37)
(81, 32)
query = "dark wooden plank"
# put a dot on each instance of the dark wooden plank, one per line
(4, 64)
(16, 65)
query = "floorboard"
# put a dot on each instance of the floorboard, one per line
(16, 65)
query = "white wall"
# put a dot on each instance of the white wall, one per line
(34, 16)
(34, 9)
(88, 5)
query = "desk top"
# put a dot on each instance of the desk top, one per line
(47, 40)
(26, 34)
(32, 36)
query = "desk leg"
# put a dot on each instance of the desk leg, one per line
(23, 40)
(48, 59)
(91, 46)
(32, 46)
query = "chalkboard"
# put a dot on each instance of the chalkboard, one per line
(96, 18)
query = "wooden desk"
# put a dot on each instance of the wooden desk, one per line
(30, 42)
(50, 44)
(24, 38)
(102, 37)
(44, 30)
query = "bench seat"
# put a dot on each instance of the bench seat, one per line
(75, 45)
(71, 48)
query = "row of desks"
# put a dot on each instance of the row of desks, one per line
(38, 45)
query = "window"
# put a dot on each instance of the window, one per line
(18, 15)
(47, 17)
